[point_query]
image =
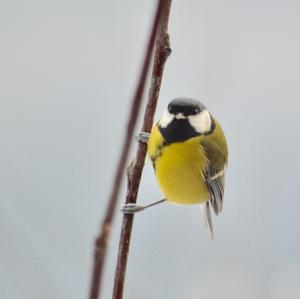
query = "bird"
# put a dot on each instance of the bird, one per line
(189, 154)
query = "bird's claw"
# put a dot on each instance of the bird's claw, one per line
(131, 208)
(142, 137)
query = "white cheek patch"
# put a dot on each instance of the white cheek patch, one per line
(201, 122)
(166, 119)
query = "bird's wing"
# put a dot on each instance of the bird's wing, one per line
(215, 181)
(215, 147)
(216, 153)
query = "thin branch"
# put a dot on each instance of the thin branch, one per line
(135, 169)
(102, 239)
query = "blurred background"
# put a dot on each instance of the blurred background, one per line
(68, 71)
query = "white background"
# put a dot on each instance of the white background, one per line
(67, 74)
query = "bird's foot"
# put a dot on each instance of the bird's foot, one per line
(131, 208)
(142, 137)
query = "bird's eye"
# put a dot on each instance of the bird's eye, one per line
(171, 110)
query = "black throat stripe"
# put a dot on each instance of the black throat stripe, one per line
(180, 130)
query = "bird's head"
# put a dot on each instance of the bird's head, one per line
(183, 119)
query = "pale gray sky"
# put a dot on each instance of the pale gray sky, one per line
(68, 69)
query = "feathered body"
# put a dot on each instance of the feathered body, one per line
(180, 167)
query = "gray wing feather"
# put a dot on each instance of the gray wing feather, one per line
(215, 181)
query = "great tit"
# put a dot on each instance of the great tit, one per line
(189, 154)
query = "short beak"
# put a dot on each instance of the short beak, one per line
(180, 116)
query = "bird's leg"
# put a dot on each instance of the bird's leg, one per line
(142, 137)
(132, 208)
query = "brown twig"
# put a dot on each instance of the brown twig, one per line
(102, 239)
(135, 169)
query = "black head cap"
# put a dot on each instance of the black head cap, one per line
(186, 106)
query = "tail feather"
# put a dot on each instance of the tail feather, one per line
(205, 208)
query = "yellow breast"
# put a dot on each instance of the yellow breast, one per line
(179, 169)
